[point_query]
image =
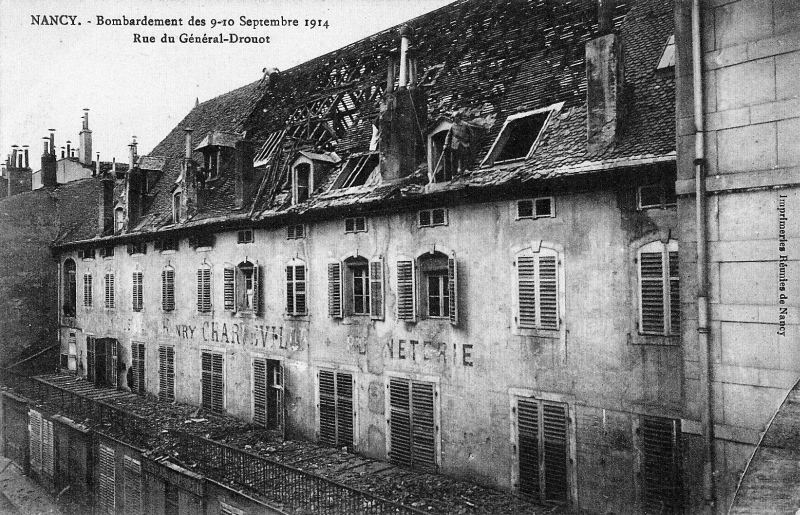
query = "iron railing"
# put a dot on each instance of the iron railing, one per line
(278, 483)
(79, 407)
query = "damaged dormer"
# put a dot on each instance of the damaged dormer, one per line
(308, 169)
(219, 156)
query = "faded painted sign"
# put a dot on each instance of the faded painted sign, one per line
(239, 333)
(423, 350)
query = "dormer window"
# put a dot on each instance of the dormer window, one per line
(302, 181)
(520, 135)
(218, 156)
(119, 219)
(667, 60)
(176, 207)
(357, 171)
(307, 168)
(449, 149)
(211, 164)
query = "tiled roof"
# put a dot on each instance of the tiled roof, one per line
(485, 60)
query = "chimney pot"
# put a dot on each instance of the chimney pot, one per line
(97, 165)
(25, 151)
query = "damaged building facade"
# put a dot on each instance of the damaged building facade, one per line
(453, 246)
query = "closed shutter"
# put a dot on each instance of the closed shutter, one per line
(212, 381)
(405, 290)
(542, 449)
(35, 442)
(526, 288)
(652, 292)
(548, 292)
(674, 295)
(87, 290)
(137, 291)
(660, 465)
(133, 486)
(168, 289)
(166, 373)
(452, 287)
(109, 290)
(107, 486)
(137, 367)
(257, 288)
(327, 407)
(204, 290)
(260, 391)
(376, 289)
(336, 408)
(300, 289)
(90, 364)
(290, 290)
(229, 288)
(412, 424)
(335, 290)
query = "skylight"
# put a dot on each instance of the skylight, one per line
(668, 55)
(520, 133)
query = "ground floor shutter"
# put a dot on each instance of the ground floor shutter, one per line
(452, 287)
(137, 368)
(133, 486)
(260, 380)
(212, 387)
(111, 352)
(90, 364)
(336, 408)
(412, 424)
(107, 480)
(660, 465)
(543, 450)
(48, 452)
(35, 442)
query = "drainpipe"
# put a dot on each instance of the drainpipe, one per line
(703, 340)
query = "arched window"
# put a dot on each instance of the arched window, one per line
(242, 287)
(296, 288)
(428, 286)
(70, 288)
(659, 289)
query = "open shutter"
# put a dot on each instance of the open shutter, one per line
(133, 486)
(554, 433)
(290, 290)
(526, 289)
(423, 436)
(35, 431)
(674, 295)
(327, 407)
(278, 381)
(548, 291)
(218, 387)
(90, 349)
(206, 380)
(260, 391)
(111, 352)
(376, 289)
(257, 288)
(48, 453)
(335, 290)
(344, 409)
(134, 386)
(652, 292)
(107, 486)
(300, 289)
(405, 290)
(660, 464)
(452, 288)
(399, 421)
(528, 447)
(229, 288)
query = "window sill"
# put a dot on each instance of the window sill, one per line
(87, 259)
(108, 258)
(661, 340)
(168, 252)
(553, 334)
(299, 317)
(202, 249)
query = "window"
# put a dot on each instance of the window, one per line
(450, 147)
(301, 183)
(542, 207)
(136, 290)
(201, 241)
(168, 289)
(356, 288)
(133, 485)
(211, 162)
(119, 220)
(667, 59)
(72, 351)
(268, 393)
(336, 408)
(86, 254)
(176, 207)
(537, 289)
(244, 236)
(660, 462)
(107, 476)
(432, 217)
(137, 368)
(91, 345)
(87, 290)
(212, 381)
(70, 288)
(137, 248)
(659, 289)
(412, 426)
(356, 171)
(166, 373)
(438, 159)
(296, 288)
(542, 449)
(204, 289)
(109, 290)
(661, 195)
(242, 287)
(166, 244)
(357, 224)
(519, 135)
(438, 283)
(295, 232)
(107, 252)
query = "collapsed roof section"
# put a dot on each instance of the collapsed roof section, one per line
(431, 103)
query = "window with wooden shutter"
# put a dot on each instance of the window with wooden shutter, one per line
(335, 290)
(542, 447)
(212, 381)
(133, 486)
(137, 368)
(166, 373)
(109, 290)
(405, 290)
(35, 441)
(229, 288)
(537, 290)
(111, 365)
(107, 476)
(48, 453)
(257, 294)
(660, 462)
(412, 426)
(90, 364)
(376, 289)
(296, 288)
(87, 290)
(452, 286)
(168, 289)
(275, 395)
(204, 289)
(72, 351)
(136, 291)
(260, 380)
(336, 408)
(659, 289)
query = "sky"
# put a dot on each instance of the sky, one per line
(50, 73)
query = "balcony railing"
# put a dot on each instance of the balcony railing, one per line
(278, 483)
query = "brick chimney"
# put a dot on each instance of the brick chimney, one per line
(605, 91)
(133, 187)
(49, 177)
(85, 154)
(403, 116)
(105, 204)
(190, 200)
(245, 182)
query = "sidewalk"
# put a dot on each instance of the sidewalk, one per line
(21, 495)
